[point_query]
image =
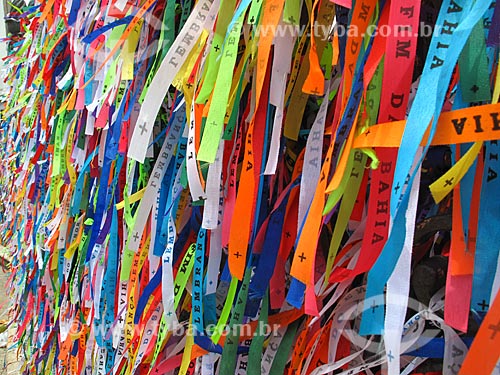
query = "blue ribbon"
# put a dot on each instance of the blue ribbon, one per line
(488, 235)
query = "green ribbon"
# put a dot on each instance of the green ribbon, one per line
(473, 63)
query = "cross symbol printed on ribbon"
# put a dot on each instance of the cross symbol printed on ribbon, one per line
(315, 91)
(143, 128)
(483, 305)
(495, 328)
(449, 182)
(136, 236)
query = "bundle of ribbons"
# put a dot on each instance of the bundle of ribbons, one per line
(254, 187)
